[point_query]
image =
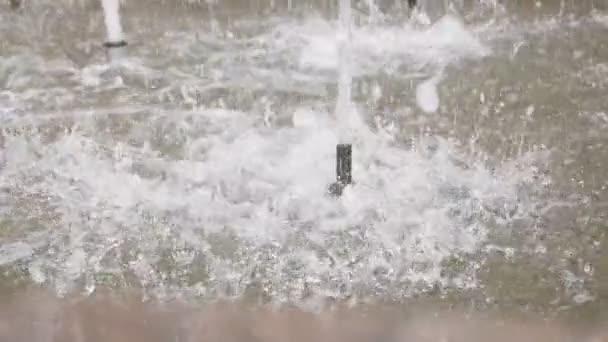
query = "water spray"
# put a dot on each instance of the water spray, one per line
(344, 149)
(116, 43)
(343, 106)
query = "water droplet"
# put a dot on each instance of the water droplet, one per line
(588, 268)
(530, 110)
(427, 97)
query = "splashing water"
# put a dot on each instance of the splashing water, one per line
(199, 166)
(211, 201)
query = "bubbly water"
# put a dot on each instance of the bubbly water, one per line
(199, 165)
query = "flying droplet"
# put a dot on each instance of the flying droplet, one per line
(427, 97)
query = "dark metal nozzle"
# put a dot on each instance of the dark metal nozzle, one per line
(344, 153)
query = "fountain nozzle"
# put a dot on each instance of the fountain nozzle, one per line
(344, 178)
(115, 50)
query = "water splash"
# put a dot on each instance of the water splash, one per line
(245, 208)
(182, 179)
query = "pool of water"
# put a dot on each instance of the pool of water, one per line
(197, 166)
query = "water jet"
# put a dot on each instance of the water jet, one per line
(343, 105)
(116, 43)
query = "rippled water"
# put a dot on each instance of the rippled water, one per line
(198, 165)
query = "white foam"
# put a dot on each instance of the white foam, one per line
(447, 41)
(308, 118)
(9, 253)
(263, 185)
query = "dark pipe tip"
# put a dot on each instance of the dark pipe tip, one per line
(412, 3)
(111, 45)
(344, 153)
(344, 163)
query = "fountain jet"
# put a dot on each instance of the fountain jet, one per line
(115, 43)
(344, 105)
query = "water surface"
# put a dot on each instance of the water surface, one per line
(198, 166)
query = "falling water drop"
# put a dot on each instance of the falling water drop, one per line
(427, 96)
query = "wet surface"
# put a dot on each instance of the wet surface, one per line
(197, 167)
(34, 316)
